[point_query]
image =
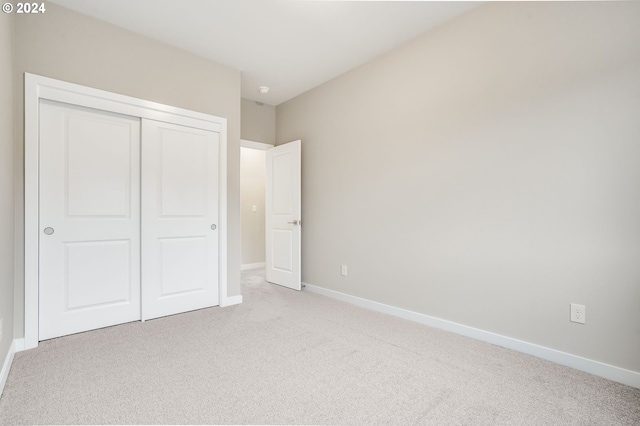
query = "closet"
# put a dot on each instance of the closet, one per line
(129, 205)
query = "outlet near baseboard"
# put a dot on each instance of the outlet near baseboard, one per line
(343, 271)
(578, 313)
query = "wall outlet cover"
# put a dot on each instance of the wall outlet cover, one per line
(578, 313)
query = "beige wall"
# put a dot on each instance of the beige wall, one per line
(6, 183)
(252, 181)
(258, 122)
(487, 173)
(68, 46)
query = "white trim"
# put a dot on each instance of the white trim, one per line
(255, 145)
(6, 365)
(248, 266)
(230, 301)
(38, 87)
(597, 368)
(19, 344)
(222, 216)
(62, 91)
(31, 207)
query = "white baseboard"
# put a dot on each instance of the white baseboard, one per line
(247, 266)
(230, 301)
(8, 360)
(597, 368)
(19, 344)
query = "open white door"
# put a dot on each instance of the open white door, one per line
(283, 214)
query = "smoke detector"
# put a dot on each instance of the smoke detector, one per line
(263, 89)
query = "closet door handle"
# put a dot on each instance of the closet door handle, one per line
(213, 227)
(48, 230)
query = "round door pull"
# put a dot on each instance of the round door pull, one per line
(213, 227)
(48, 230)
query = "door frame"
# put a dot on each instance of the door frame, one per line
(39, 87)
(257, 146)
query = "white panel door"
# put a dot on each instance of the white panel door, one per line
(179, 219)
(89, 243)
(283, 213)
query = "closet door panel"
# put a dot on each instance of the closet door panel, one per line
(89, 241)
(179, 219)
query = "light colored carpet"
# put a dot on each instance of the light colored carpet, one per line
(298, 358)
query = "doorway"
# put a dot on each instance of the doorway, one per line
(271, 211)
(252, 203)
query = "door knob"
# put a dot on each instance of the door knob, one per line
(295, 222)
(213, 227)
(48, 230)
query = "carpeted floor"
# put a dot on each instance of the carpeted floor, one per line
(291, 357)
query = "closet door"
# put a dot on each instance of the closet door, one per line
(89, 241)
(179, 219)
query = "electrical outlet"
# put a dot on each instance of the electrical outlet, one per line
(578, 313)
(344, 270)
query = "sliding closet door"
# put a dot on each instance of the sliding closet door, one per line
(89, 241)
(179, 219)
